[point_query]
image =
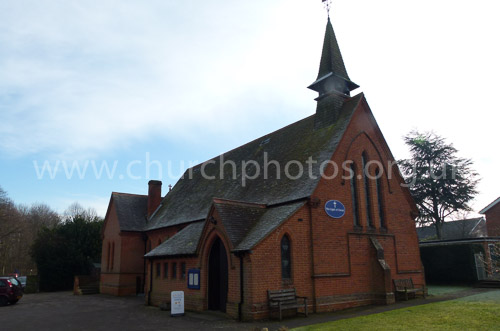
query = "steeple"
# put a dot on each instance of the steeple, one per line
(333, 84)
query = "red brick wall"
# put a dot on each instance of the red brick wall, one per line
(196, 299)
(264, 271)
(341, 268)
(346, 270)
(163, 285)
(159, 236)
(121, 279)
(336, 240)
(110, 278)
(493, 221)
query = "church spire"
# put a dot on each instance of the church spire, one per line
(332, 75)
(331, 59)
(333, 84)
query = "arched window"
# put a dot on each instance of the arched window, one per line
(112, 255)
(369, 216)
(108, 260)
(148, 247)
(380, 199)
(286, 261)
(354, 195)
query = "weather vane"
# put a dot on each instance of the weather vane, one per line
(328, 5)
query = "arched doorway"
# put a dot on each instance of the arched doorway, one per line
(217, 277)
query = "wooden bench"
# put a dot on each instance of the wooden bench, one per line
(405, 286)
(286, 299)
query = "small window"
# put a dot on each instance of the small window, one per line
(158, 270)
(174, 270)
(183, 270)
(286, 263)
(165, 270)
(148, 247)
(159, 242)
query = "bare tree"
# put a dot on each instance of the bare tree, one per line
(76, 210)
(40, 215)
(19, 226)
(11, 232)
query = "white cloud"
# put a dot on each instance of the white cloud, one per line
(81, 78)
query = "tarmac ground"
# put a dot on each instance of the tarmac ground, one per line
(65, 311)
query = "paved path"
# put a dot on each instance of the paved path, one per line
(64, 311)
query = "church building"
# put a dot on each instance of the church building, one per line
(318, 206)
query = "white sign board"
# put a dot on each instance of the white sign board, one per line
(177, 303)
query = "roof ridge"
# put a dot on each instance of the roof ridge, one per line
(130, 194)
(252, 141)
(349, 99)
(489, 206)
(193, 194)
(238, 202)
(466, 219)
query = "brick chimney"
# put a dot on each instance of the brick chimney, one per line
(154, 196)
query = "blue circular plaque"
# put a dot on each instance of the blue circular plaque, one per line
(334, 209)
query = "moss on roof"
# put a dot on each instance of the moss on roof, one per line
(191, 197)
(183, 242)
(131, 210)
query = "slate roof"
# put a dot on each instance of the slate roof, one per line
(238, 218)
(191, 197)
(461, 229)
(245, 224)
(267, 223)
(131, 210)
(183, 242)
(331, 58)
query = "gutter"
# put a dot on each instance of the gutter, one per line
(460, 241)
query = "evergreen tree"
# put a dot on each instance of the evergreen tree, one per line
(440, 182)
(67, 249)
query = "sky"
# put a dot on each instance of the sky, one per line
(126, 91)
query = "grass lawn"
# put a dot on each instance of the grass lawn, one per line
(448, 315)
(445, 289)
(492, 296)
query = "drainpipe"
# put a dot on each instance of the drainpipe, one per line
(150, 282)
(242, 295)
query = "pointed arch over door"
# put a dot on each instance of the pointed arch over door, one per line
(217, 276)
